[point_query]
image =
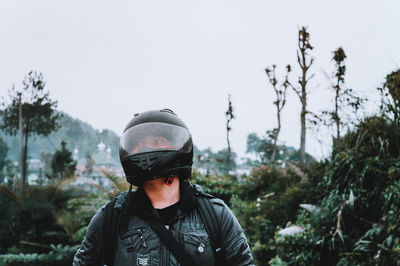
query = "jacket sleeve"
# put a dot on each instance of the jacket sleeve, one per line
(234, 244)
(91, 250)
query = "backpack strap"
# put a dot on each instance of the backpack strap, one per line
(112, 219)
(170, 242)
(209, 218)
(110, 232)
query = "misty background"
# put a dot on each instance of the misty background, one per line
(105, 61)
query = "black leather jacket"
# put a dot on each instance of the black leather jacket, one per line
(139, 245)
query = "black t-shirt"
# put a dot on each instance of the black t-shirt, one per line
(167, 214)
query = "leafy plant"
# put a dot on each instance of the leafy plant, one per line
(58, 256)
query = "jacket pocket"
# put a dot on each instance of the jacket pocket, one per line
(133, 240)
(197, 245)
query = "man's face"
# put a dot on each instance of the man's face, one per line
(149, 143)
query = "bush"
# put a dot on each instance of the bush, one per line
(356, 222)
(58, 256)
(220, 186)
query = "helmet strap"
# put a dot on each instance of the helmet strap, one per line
(170, 179)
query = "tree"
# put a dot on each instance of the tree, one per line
(304, 47)
(279, 102)
(344, 97)
(391, 96)
(213, 163)
(37, 112)
(62, 163)
(263, 148)
(89, 164)
(229, 116)
(45, 158)
(339, 57)
(3, 153)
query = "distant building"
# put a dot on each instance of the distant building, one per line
(34, 165)
(102, 160)
(102, 157)
(75, 154)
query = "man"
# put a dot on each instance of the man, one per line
(165, 221)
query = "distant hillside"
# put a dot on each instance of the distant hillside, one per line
(76, 133)
(82, 136)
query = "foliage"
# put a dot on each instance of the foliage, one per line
(38, 112)
(257, 227)
(77, 213)
(3, 153)
(263, 148)
(78, 210)
(390, 91)
(39, 116)
(62, 163)
(3, 160)
(346, 101)
(89, 164)
(8, 173)
(353, 219)
(265, 199)
(221, 186)
(58, 256)
(356, 221)
(76, 133)
(33, 216)
(214, 163)
(118, 184)
(297, 249)
(57, 212)
(46, 158)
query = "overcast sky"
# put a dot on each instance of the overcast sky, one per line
(106, 60)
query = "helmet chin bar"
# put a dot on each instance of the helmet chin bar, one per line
(143, 167)
(182, 172)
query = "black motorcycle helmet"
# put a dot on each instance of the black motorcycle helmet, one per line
(155, 144)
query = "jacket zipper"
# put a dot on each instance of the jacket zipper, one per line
(142, 238)
(164, 256)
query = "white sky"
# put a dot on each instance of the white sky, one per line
(106, 60)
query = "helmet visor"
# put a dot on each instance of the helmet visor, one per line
(154, 136)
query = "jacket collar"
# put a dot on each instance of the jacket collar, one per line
(141, 204)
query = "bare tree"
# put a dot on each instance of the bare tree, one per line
(280, 91)
(229, 116)
(305, 62)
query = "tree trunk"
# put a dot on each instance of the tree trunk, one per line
(228, 162)
(336, 117)
(278, 130)
(21, 156)
(25, 155)
(302, 154)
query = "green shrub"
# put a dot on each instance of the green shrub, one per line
(58, 256)
(219, 186)
(358, 198)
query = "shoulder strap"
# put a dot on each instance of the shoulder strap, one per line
(110, 232)
(209, 218)
(170, 242)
